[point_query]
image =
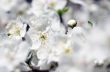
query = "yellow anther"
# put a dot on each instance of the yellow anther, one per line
(43, 36)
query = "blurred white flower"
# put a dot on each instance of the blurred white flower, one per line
(12, 52)
(38, 7)
(68, 69)
(39, 23)
(16, 29)
(7, 4)
(56, 4)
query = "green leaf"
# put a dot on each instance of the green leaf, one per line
(65, 9)
(62, 11)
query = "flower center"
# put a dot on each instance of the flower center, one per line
(43, 36)
(15, 30)
(67, 50)
(52, 4)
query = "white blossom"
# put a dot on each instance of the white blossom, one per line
(16, 29)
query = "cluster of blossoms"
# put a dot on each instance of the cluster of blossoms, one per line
(53, 36)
